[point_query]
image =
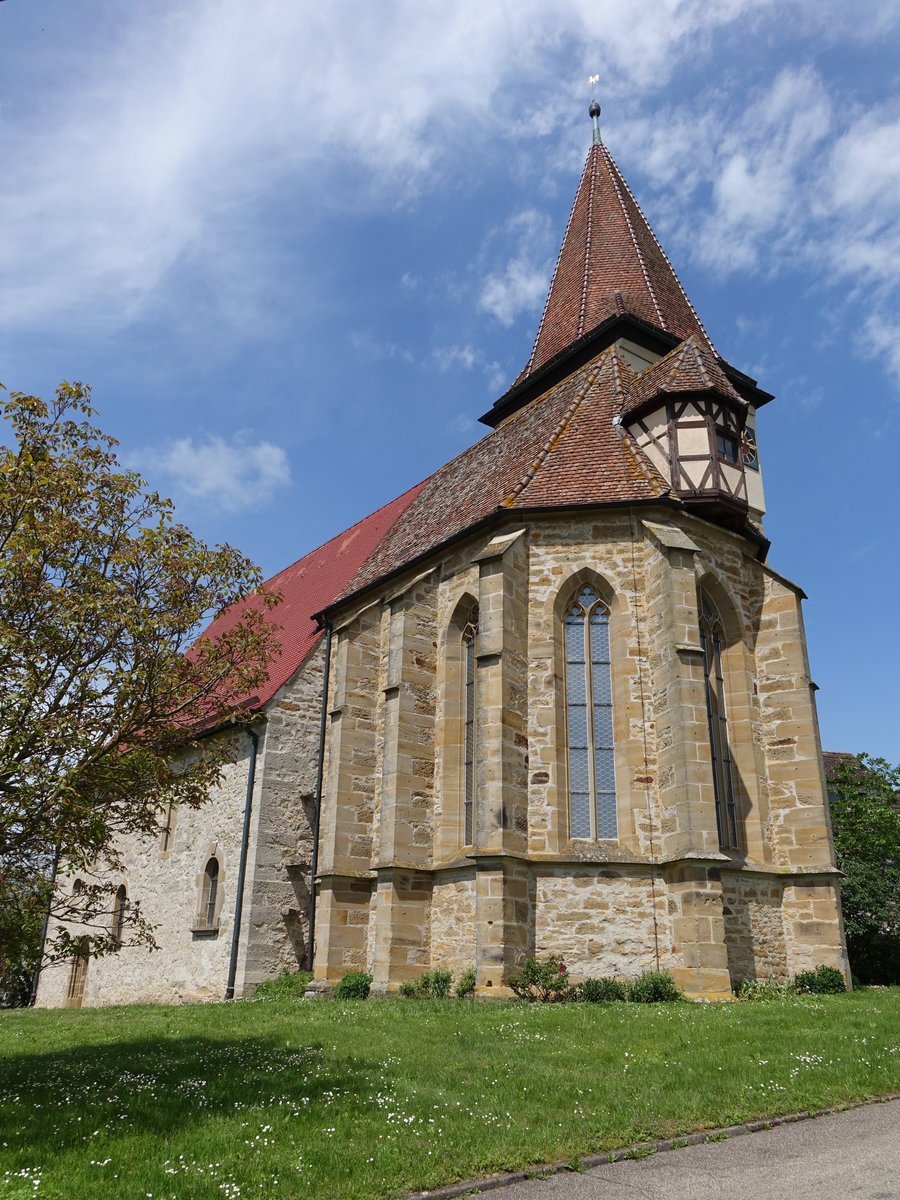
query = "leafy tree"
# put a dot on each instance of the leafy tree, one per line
(104, 694)
(21, 924)
(864, 794)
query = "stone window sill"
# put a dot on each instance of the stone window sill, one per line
(205, 931)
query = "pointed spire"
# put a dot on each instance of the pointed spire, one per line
(610, 263)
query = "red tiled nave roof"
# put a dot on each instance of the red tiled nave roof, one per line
(309, 585)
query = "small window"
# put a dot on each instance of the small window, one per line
(118, 921)
(727, 447)
(208, 894)
(167, 833)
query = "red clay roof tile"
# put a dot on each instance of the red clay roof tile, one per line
(308, 586)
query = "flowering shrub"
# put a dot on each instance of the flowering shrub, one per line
(544, 979)
(823, 981)
(354, 986)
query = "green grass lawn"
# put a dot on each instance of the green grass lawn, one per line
(324, 1099)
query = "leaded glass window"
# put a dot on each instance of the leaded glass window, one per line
(469, 648)
(711, 639)
(592, 778)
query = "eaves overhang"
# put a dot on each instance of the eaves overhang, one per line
(575, 355)
(752, 535)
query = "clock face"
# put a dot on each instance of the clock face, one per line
(748, 449)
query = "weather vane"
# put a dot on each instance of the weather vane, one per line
(594, 110)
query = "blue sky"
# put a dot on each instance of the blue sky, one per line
(298, 249)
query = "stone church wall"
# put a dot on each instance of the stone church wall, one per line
(192, 963)
(187, 966)
(276, 896)
(601, 920)
(526, 886)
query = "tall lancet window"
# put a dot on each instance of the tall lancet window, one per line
(469, 640)
(711, 639)
(592, 776)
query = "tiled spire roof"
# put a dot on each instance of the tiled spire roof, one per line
(610, 263)
(690, 367)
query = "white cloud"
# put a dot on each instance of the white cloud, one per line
(235, 475)
(448, 357)
(520, 283)
(467, 358)
(158, 150)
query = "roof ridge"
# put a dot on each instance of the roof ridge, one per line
(544, 452)
(616, 179)
(592, 158)
(350, 528)
(615, 169)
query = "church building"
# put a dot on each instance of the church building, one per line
(553, 700)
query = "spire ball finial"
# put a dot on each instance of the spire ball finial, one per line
(594, 110)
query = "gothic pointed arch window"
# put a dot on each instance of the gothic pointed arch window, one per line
(589, 719)
(469, 652)
(712, 639)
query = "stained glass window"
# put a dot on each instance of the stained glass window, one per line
(592, 780)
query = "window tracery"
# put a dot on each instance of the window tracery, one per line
(589, 719)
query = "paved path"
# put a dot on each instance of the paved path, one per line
(851, 1154)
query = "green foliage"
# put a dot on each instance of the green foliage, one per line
(823, 981)
(465, 985)
(543, 979)
(754, 990)
(21, 922)
(602, 991)
(288, 983)
(653, 987)
(354, 986)
(101, 595)
(440, 983)
(433, 984)
(863, 792)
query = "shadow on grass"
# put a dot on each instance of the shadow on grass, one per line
(158, 1085)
